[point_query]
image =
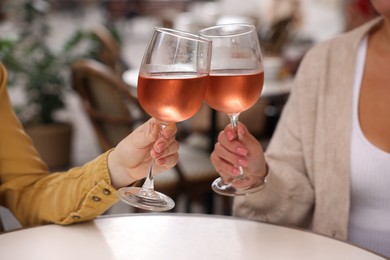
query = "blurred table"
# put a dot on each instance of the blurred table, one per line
(173, 236)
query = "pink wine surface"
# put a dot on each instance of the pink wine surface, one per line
(171, 98)
(231, 92)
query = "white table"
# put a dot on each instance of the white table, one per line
(173, 236)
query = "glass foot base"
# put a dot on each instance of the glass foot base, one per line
(229, 190)
(146, 199)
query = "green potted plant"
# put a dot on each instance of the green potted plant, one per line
(42, 75)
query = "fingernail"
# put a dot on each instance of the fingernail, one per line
(229, 135)
(153, 154)
(160, 161)
(242, 151)
(159, 147)
(243, 162)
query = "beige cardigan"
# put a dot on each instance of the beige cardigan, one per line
(309, 155)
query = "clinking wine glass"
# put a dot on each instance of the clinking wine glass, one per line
(236, 82)
(171, 87)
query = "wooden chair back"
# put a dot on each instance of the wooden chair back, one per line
(113, 111)
(109, 49)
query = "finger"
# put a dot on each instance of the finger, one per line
(229, 174)
(168, 149)
(224, 167)
(167, 141)
(161, 144)
(230, 132)
(169, 131)
(234, 146)
(234, 158)
(223, 138)
(244, 136)
(162, 164)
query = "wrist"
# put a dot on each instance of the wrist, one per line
(118, 174)
(262, 177)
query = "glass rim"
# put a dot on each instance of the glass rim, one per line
(251, 26)
(183, 34)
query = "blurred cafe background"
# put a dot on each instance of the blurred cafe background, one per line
(73, 64)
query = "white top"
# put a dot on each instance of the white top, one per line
(174, 236)
(369, 221)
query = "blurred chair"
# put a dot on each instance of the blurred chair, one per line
(109, 49)
(275, 39)
(114, 113)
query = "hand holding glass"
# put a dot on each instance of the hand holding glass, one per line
(236, 82)
(171, 87)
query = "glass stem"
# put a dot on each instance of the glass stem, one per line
(234, 119)
(149, 181)
(234, 122)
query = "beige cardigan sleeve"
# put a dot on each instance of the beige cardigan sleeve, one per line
(36, 196)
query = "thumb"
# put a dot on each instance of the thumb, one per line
(146, 134)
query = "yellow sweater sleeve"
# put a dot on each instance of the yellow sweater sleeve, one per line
(37, 196)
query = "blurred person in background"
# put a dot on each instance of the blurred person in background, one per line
(327, 167)
(357, 12)
(280, 20)
(36, 196)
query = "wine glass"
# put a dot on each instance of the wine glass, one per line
(236, 82)
(171, 87)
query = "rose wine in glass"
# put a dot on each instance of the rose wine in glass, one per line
(236, 82)
(171, 87)
(171, 97)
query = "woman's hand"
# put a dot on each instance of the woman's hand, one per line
(131, 159)
(239, 148)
